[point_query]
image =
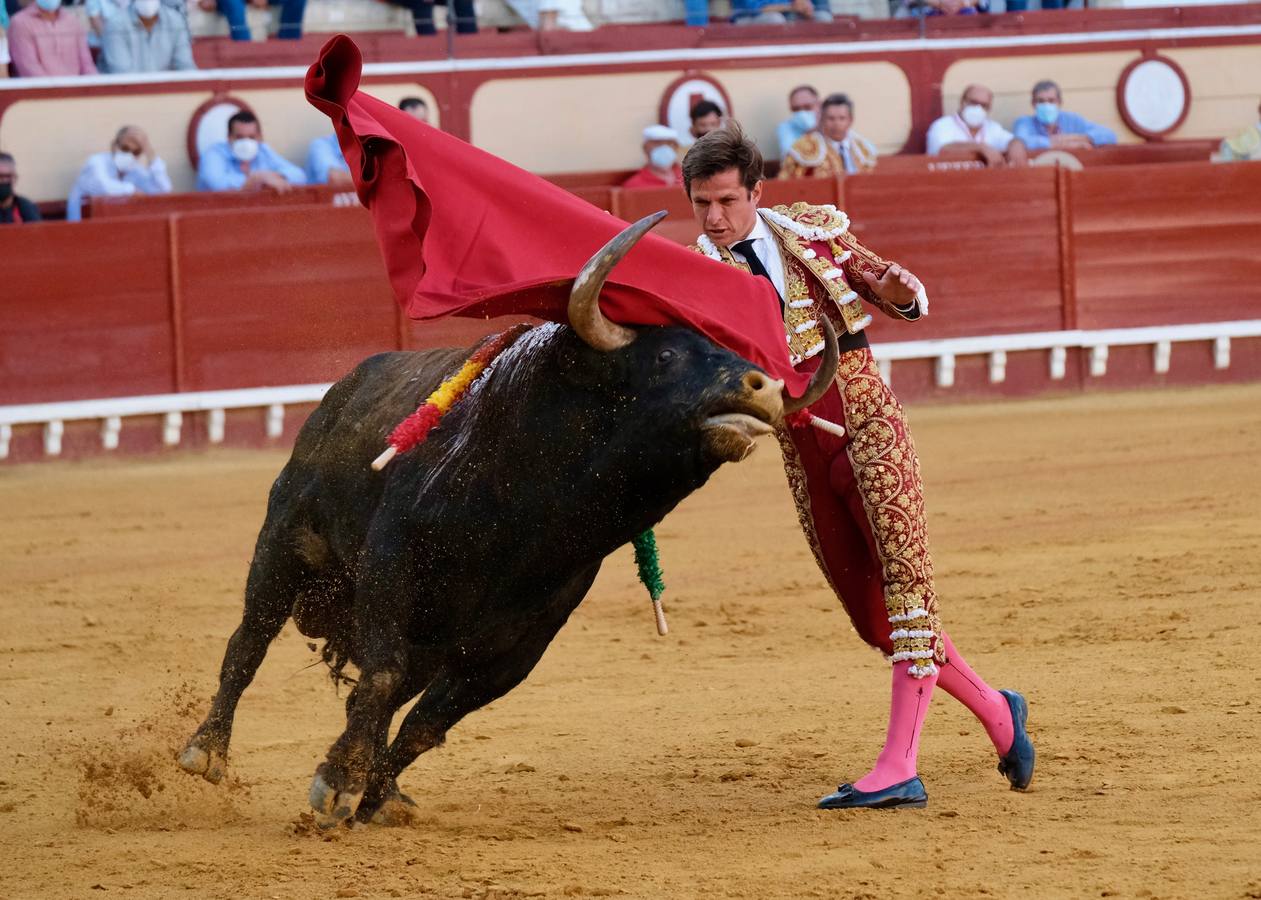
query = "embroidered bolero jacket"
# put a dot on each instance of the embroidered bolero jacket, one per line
(823, 266)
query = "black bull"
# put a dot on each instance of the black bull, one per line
(448, 574)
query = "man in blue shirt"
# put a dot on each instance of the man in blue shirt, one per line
(244, 162)
(1051, 127)
(325, 163)
(803, 101)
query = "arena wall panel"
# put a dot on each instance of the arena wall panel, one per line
(1166, 244)
(86, 311)
(285, 296)
(986, 244)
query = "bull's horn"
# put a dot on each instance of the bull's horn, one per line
(823, 376)
(584, 299)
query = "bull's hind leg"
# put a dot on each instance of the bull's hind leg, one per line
(341, 781)
(273, 581)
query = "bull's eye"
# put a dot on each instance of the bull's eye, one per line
(665, 357)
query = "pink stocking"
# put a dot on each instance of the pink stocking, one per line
(959, 681)
(909, 706)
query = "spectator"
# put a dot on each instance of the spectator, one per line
(462, 11)
(971, 130)
(416, 107)
(915, 8)
(291, 12)
(148, 36)
(835, 149)
(130, 167)
(661, 148)
(4, 41)
(1246, 145)
(1050, 127)
(43, 41)
(706, 116)
(803, 101)
(243, 161)
(325, 163)
(779, 12)
(1022, 5)
(13, 209)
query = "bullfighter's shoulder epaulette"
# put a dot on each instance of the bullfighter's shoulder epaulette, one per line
(814, 223)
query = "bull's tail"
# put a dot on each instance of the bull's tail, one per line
(336, 656)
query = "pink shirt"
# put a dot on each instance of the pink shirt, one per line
(42, 46)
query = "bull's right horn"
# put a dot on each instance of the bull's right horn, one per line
(585, 316)
(823, 376)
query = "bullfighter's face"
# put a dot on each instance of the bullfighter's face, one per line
(724, 208)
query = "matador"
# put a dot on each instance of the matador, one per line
(857, 487)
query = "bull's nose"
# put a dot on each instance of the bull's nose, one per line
(760, 383)
(764, 393)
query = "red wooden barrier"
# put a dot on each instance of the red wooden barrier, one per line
(283, 296)
(86, 311)
(164, 204)
(1156, 245)
(985, 243)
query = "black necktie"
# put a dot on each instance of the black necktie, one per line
(745, 249)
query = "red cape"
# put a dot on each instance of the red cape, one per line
(465, 233)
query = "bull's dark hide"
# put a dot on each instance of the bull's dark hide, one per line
(449, 572)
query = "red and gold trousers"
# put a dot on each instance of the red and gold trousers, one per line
(860, 500)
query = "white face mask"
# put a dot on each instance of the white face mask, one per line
(663, 157)
(245, 149)
(974, 115)
(124, 161)
(147, 9)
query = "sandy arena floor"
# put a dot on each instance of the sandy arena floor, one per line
(1102, 554)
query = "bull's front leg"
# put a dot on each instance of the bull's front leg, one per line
(382, 657)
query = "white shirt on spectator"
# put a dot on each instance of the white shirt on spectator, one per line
(952, 129)
(99, 178)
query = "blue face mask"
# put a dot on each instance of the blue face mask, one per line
(805, 119)
(1047, 113)
(49, 5)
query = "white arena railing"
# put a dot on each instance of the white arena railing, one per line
(111, 411)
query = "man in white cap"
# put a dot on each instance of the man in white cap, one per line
(661, 149)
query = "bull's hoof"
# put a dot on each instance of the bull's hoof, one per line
(332, 806)
(396, 811)
(209, 764)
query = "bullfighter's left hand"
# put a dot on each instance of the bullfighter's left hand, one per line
(896, 286)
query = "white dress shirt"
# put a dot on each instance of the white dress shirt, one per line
(767, 250)
(952, 130)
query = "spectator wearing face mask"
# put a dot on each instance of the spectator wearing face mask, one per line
(14, 210)
(706, 116)
(147, 36)
(1052, 128)
(803, 101)
(416, 108)
(661, 147)
(244, 162)
(835, 149)
(971, 130)
(325, 163)
(129, 167)
(1244, 146)
(45, 41)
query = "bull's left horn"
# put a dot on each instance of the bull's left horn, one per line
(584, 299)
(823, 376)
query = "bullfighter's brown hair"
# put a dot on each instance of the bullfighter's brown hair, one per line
(725, 148)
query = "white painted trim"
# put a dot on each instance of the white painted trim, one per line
(665, 56)
(111, 410)
(159, 404)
